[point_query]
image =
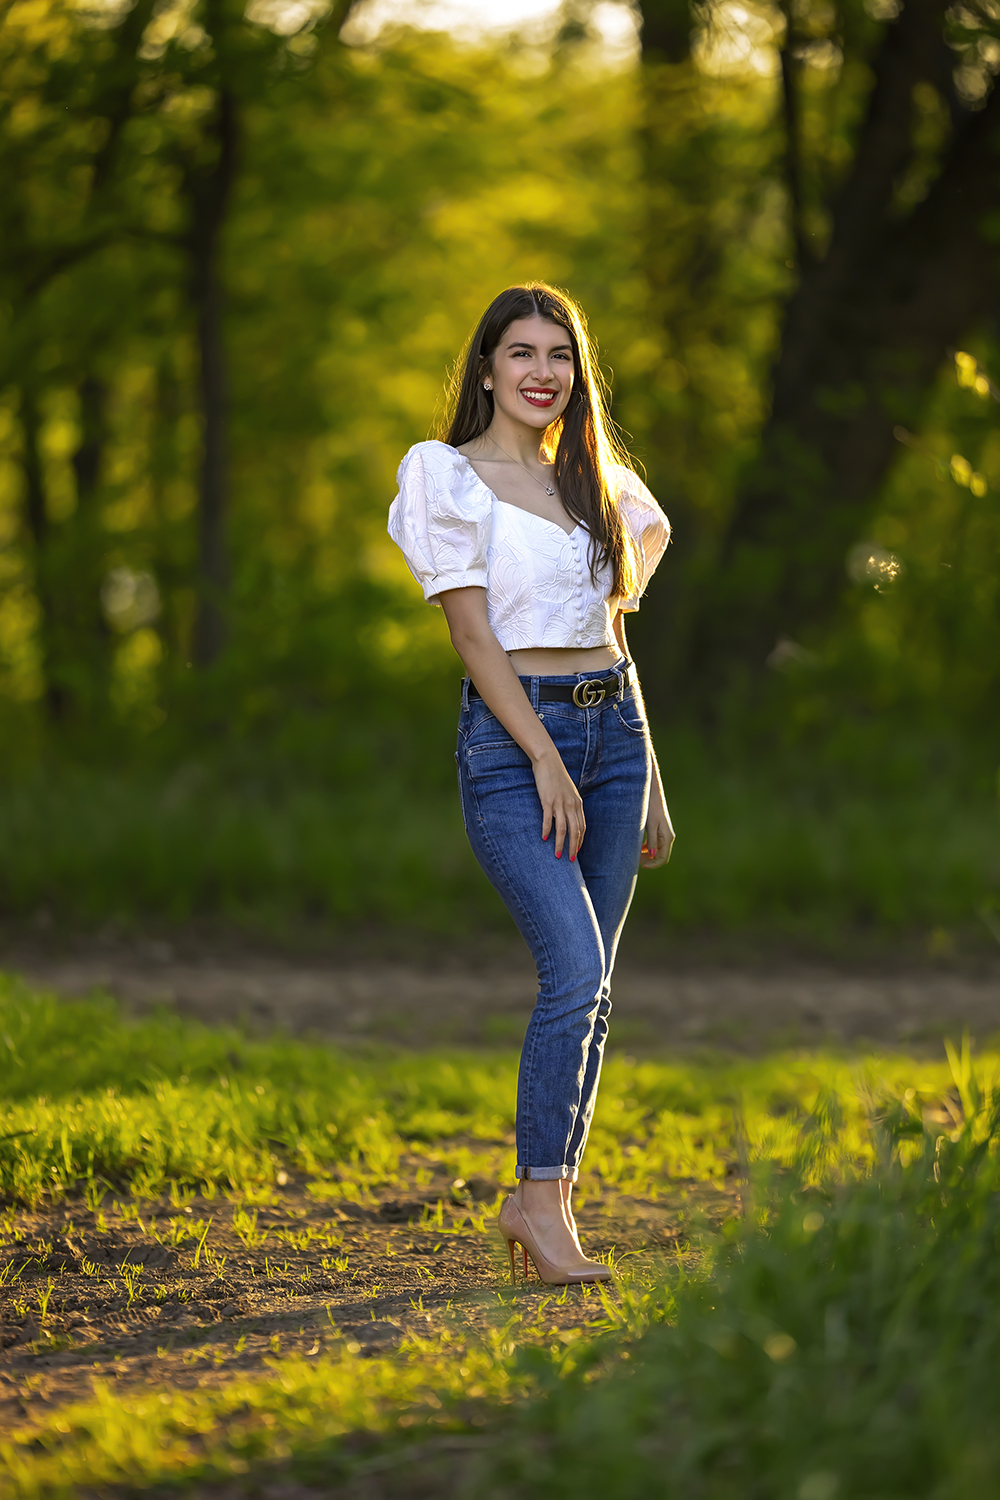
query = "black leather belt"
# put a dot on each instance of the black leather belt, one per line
(586, 694)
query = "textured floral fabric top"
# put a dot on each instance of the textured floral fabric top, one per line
(455, 533)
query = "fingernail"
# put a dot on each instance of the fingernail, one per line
(558, 854)
(572, 858)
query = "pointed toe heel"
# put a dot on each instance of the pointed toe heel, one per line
(514, 1230)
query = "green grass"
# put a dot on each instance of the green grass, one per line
(846, 1344)
(884, 836)
(838, 1338)
(90, 1096)
(305, 1408)
(887, 837)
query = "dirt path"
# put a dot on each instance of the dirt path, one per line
(192, 1296)
(465, 998)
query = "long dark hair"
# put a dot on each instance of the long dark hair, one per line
(582, 443)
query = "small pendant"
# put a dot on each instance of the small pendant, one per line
(549, 490)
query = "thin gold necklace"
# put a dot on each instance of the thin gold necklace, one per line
(546, 487)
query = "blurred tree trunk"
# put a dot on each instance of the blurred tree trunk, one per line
(858, 360)
(36, 513)
(864, 336)
(87, 457)
(67, 557)
(666, 30)
(84, 551)
(692, 161)
(209, 192)
(68, 562)
(209, 178)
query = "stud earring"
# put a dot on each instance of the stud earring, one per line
(487, 385)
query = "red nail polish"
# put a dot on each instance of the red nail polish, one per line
(572, 858)
(558, 854)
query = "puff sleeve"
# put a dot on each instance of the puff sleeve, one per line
(648, 528)
(441, 520)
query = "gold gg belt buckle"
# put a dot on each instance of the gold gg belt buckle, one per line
(588, 694)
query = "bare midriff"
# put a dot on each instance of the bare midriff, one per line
(562, 661)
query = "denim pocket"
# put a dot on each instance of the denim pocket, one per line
(501, 762)
(461, 792)
(630, 716)
(486, 730)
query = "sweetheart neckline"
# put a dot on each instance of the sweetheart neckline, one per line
(509, 504)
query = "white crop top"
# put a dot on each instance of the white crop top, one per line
(455, 533)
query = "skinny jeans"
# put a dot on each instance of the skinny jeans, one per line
(570, 913)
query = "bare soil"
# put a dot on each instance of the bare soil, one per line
(323, 1276)
(481, 993)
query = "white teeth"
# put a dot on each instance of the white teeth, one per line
(539, 396)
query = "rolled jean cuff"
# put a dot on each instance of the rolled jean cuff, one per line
(547, 1174)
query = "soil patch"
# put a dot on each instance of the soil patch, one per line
(188, 1297)
(463, 996)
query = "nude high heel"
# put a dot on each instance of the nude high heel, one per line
(514, 1230)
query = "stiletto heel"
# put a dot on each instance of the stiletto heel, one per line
(510, 1247)
(514, 1230)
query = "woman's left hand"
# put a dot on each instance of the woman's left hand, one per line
(659, 832)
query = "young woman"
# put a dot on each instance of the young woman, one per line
(536, 539)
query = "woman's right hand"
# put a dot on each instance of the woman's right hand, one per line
(562, 805)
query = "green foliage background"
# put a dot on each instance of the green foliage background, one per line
(384, 192)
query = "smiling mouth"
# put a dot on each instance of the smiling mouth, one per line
(539, 398)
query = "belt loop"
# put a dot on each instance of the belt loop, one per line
(465, 694)
(534, 694)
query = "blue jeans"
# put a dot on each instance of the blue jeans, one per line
(570, 914)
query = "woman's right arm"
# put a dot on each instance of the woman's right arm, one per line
(490, 668)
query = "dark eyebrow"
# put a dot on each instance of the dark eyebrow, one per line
(523, 344)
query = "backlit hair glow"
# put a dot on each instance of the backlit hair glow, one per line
(583, 443)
